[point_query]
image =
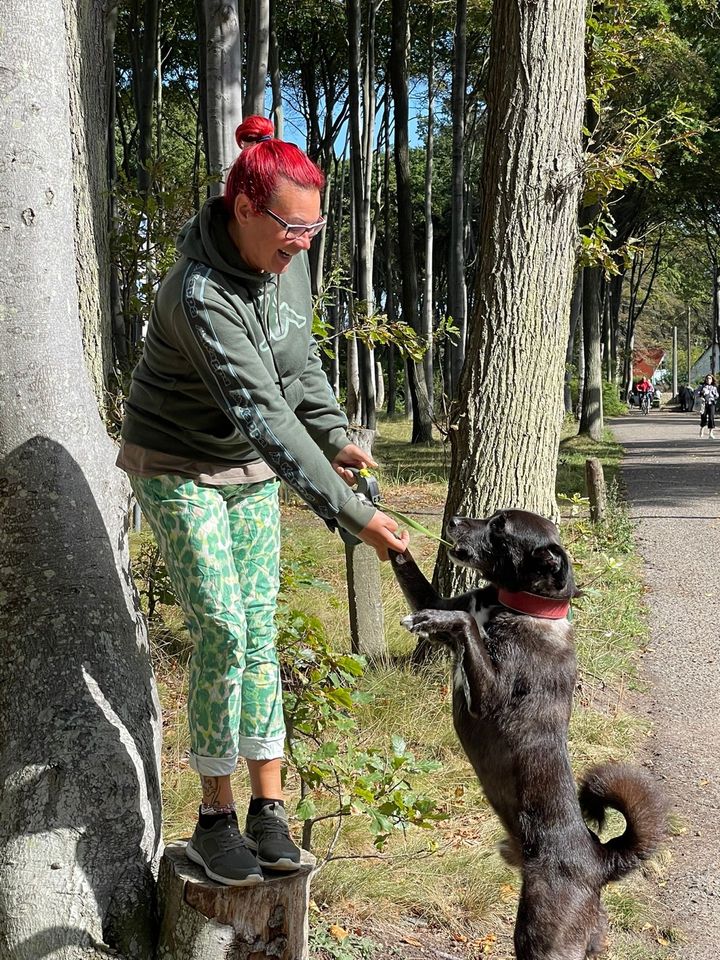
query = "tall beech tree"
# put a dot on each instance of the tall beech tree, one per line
(79, 720)
(421, 412)
(222, 24)
(506, 425)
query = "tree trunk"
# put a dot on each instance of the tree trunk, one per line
(391, 392)
(367, 621)
(222, 85)
(507, 427)
(362, 121)
(257, 57)
(145, 98)
(615, 300)
(591, 419)
(715, 356)
(79, 719)
(457, 291)
(575, 315)
(276, 110)
(428, 303)
(421, 412)
(91, 94)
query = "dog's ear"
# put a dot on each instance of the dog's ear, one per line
(497, 522)
(551, 558)
(555, 562)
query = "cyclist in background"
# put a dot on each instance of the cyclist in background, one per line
(645, 391)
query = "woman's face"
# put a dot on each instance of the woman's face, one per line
(261, 240)
(708, 379)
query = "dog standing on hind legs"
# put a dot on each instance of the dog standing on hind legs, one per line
(515, 673)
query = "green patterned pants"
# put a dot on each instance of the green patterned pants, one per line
(221, 546)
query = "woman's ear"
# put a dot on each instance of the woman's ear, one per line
(243, 209)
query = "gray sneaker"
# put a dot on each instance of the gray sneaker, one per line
(223, 854)
(267, 832)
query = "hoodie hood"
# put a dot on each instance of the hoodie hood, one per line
(205, 239)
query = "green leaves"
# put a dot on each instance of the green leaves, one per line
(341, 777)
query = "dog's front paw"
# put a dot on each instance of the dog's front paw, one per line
(419, 623)
(429, 623)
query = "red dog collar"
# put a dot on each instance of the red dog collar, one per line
(533, 605)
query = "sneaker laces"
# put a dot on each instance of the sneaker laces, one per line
(274, 824)
(230, 835)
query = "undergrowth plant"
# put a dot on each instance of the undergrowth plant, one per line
(339, 776)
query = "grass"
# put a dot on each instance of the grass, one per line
(449, 877)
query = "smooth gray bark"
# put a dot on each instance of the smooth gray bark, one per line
(222, 86)
(367, 618)
(79, 719)
(362, 122)
(257, 57)
(508, 419)
(418, 396)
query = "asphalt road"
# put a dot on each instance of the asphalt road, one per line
(673, 486)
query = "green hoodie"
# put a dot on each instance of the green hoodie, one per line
(227, 375)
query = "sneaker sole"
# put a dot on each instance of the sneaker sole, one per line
(250, 881)
(285, 863)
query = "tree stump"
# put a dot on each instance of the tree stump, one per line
(595, 482)
(203, 920)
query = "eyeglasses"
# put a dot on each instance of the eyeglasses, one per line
(293, 231)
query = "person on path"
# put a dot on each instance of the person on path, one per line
(644, 388)
(229, 396)
(708, 392)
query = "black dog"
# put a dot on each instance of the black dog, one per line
(515, 673)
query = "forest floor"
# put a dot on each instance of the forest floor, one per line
(672, 481)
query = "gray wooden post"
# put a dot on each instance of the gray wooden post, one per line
(202, 920)
(367, 622)
(595, 482)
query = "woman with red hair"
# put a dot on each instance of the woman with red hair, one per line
(228, 397)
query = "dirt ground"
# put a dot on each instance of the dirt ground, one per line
(673, 481)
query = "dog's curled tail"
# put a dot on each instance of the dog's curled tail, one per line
(632, 791)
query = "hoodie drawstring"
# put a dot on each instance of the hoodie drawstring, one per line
(266, 330)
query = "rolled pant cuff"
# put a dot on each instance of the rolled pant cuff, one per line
(213, 766)
(261, 748)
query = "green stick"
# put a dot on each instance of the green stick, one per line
(413, 524)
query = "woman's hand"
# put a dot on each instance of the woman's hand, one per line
(352, 456)
(382, 534)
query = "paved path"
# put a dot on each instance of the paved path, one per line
(673, 484)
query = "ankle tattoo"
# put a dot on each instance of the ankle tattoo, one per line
(217, 809)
